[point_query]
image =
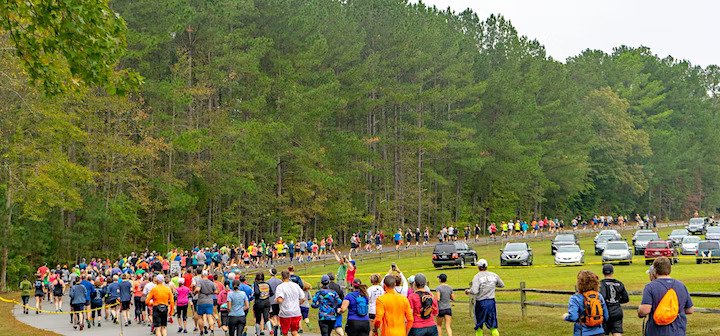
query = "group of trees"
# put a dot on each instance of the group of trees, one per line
(299, 118)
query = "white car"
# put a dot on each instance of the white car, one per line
(569, 255)
(617, 252)
(689, 245)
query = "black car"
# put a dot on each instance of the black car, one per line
(516, 254)
(563, 239)
(453, 254)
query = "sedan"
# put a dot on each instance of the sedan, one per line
(602, 242)
(639, 232)
(611, 233)
(712, 233)
(516, 254)
(689, 245)
(677, 235)
(617, 252)
(569, 255)
(643, 239)
(563, 240)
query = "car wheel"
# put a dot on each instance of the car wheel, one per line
(474, 261)
(698, 261)
(462, 262)
(647, 262)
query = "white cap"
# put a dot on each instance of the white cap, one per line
(160, 278)
(181, 281)
(482, 263)
(231, 276)
(204, 272)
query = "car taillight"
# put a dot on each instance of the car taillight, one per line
(455, 256)
(434, 256)
(696, 252)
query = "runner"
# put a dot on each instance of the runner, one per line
(327, 302)
(289, 296)
(96, 303)
(112, 295)
(238, 305)
(25, 291)
(161, 300)
(205, 290)
(393, 313)
(424, 307)
(261, 309)
(39, 291)
(77, 303)
(125, 298)
(183, 302)
(58, 287)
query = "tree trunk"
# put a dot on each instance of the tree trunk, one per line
(6, 230)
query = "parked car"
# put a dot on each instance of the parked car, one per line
(641, 231)
(712, 233)
(642, 239)
(689, 245)
(708, 251)
(698, 225)
(569, 255)
(677, 235)
(617, 251)
(563, 239)
(612, 233)
(602, 242)
(453, 254)
(660, 248)
(516, 254)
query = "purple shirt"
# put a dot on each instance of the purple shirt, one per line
(653, 293)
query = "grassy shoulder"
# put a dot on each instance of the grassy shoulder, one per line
(9, 326)
(546, 275)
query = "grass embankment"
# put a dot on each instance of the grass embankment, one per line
(9, 326)
(545, 275)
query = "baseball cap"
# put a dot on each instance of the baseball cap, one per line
(442, 277)
(411, 279)
(356, 282)
(211, 277)
(608, 269)
(650, 270)
(325, 279)
(420, 280)
(331, 276)
(160, 278)
(482, 263)
(204, 272)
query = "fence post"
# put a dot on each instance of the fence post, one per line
(523, 307)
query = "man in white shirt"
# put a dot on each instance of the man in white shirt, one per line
(289, 296)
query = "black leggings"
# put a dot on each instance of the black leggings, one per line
(236, 325)
(357, 328)
(261, 310)
(326, 327)
(182, 312)
(139, 306)
(96, 309)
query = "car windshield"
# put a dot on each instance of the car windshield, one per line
(657, 245)
(697, 221)
(708, 245)
(604, 239)
(690, 239)
(646, 236)
(565, 238)
(681, 232)
(608, 232)
(515, 247)
(445, 248)
(616, 246)
(713, 229)
(571, 248)
(639, 232)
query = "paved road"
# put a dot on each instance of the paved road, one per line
(61, 324)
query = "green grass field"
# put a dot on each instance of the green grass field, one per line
(546, 275)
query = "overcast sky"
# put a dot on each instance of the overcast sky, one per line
(683, 29)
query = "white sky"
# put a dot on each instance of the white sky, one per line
(681, 28)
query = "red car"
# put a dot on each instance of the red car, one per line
(660, 248)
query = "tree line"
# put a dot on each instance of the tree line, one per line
(300, 118)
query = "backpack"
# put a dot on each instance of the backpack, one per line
(668, 309)
(426, 304)
(593, 315)
(362, 308)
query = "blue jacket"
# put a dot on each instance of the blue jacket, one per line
(575, 311)
(77, 294)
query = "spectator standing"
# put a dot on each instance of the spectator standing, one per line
(424, 307)
(483, 289)
(662, 318)
(587, 298)
(615, 294)
(374, 292)
(357, 305)
(445, 296)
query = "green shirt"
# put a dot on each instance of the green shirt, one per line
(26, 288)
(342, 271)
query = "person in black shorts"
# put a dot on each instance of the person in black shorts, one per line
(39, 292)
(615, 294)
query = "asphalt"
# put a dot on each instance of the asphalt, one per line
(60, 323)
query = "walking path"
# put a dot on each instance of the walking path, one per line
(60, 323)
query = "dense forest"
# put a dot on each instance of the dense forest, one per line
(300, 118)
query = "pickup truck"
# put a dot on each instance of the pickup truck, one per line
(660, 248)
